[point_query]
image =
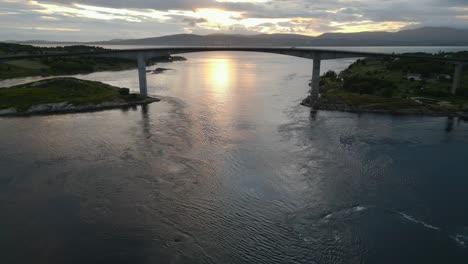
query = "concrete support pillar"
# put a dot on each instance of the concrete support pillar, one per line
(314, 92)
(457, 78)
(142, 74)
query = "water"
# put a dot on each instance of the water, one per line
(229, 168)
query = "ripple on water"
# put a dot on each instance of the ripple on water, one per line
(228, 173)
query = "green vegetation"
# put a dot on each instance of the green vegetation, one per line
(58, 90)
(63, 65)
(397, 85)
(365, 102)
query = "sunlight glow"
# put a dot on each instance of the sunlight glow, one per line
(214, 19)
(219, 72)
(367, 25)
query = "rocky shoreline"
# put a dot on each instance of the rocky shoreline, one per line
(65, 107)
(335, 104)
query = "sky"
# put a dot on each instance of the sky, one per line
(93, 20)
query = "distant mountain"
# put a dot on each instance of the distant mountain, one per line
(428, 36)
(43, 42)
(217, 40)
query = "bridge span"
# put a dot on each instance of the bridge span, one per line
(317, 55)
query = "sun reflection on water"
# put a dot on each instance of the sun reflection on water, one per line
(219, 72)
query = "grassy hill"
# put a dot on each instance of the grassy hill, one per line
(58, 90)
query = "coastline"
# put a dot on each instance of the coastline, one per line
(65, 107)
(334, 104)
(394, 86)
(66, 95)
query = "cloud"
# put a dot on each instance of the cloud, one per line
(194, 21)
(140, 4)
(101, 19)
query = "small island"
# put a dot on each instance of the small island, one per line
(65, 95)
(395, 86)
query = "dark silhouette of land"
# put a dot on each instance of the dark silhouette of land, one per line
(63, 66)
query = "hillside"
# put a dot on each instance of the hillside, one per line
(405, 86)
(423, 36)
(60, 65)
(59, 95)
(429, 36)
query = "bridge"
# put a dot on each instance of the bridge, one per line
(317, 55)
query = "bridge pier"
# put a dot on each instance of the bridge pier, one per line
(142, 74)
(457, 78)
(314, 92)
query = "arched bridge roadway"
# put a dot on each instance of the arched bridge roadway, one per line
(317, 55)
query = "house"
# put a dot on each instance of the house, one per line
(414, 77)
(444, 77)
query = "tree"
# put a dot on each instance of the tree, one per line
(369, 85)
(331, 75)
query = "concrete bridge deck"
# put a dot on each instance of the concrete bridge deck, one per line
(326, 54)
(317, 55)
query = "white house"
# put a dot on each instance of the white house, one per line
(414, 77)
(444, 77)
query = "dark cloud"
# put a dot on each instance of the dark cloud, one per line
(193, 21)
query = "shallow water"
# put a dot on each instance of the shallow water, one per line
(229, 168)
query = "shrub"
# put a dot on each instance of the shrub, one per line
(369, 85)
(124, 91)
(331, 75)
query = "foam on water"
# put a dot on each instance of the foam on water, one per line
(359, 208)
(352, 210)
(461, 240)
(414, 220)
